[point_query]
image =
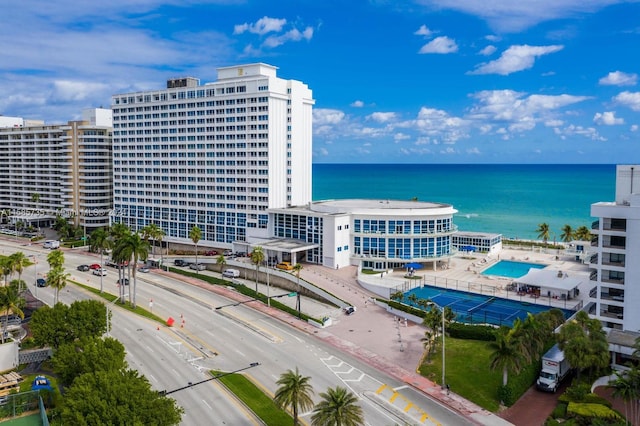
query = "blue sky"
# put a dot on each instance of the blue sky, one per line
(415, 81)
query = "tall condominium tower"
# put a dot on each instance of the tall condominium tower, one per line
(216, 156)
(61, 169)
(615, 270)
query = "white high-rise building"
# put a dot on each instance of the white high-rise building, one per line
(615, 270)
(58, 169)
(216, 156)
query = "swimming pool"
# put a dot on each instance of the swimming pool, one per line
(472, 308)
(511, 269)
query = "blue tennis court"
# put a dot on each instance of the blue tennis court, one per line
(474, 308)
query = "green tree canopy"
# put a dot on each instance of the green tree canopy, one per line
(87, 355)
(195, 234)
(543, 232)
(64, 324)
(117, 398)
(294, 392)
(584, 343)
(338, 407)
(11, 302)
(567, 233)
(257, 257)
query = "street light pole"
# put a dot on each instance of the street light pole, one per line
(443, 352)
(443, 349)
(35, 282)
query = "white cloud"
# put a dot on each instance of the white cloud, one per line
(619, 78)
(488, 51)
(424, 31)
(382, 117)
(634, 128)
(323, 116)
(519, 112)
(515, 58)
(292, 35)
(473, 151)
(629, 99)
(441, 44)
(323, 152)
(572, 130)
(400, 137)
(492, 38)
(509, 16)
(262, 26)
(76, 90)
(554, 123)
(357, 104)
(438, 123)
(607, 118)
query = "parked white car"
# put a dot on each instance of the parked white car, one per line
(100, 272)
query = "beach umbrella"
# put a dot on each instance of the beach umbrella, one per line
(413, 265)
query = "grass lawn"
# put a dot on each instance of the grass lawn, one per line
(467, 371)
(254, 398)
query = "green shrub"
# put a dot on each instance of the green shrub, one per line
(471, 332)
(551, 422)
(560, 412)
(520, 383)
(505, 395)
(587, 411)
(592, 398)
(577, 392)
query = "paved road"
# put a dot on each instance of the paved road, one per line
(238, 335)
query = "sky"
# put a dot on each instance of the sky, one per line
(413, 81)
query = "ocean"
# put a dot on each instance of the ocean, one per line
(508, 199)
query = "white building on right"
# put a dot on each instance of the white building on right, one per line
(615, 269)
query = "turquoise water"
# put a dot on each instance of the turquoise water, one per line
(474, 308)
(507, 199)
(511, 269)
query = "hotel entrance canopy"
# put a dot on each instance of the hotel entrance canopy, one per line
(283, 245)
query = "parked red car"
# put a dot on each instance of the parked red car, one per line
(210, 253)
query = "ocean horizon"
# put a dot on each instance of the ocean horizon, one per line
(508, 199)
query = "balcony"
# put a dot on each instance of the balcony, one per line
(595, 224)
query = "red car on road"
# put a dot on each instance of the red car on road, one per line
(95, 266)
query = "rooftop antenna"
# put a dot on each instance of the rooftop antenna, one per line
(632, 180)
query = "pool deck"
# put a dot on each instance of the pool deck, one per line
(463, 272)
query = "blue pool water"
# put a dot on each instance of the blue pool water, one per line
(474, 308)
(511, 269)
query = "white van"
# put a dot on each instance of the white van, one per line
(51, 244)
(231, 273)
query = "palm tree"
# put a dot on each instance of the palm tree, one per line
(57, 279)
(55, 259)
(627, 387)
(338, 407)
(137, 249)
(195, 234)
(297, 268)
(11, 302)
(222, 261)
(18, 262)
(543, 232)
(507, 354)
(582, 234)
(294, 392)
(153, 232)
(257, 257)
(567, 233)
(35, 197)
(397, 295)
(6, 267)
(118, 232)
(99, 241)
